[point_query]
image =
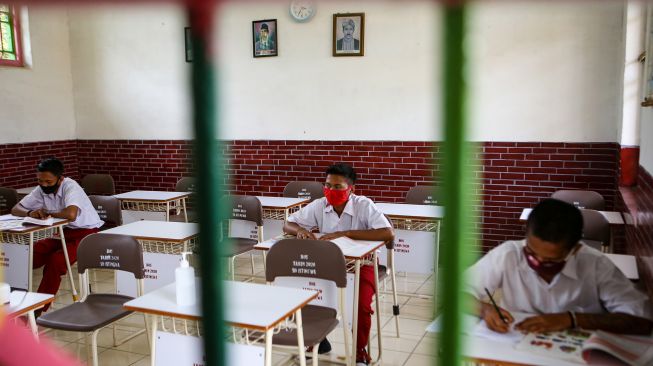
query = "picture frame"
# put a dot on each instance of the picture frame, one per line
(188, 43)
(265, 41)
(348, 34)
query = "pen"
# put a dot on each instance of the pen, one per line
(495, 306)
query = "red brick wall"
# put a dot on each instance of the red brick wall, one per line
(639, 236)
(18, 161)
(514, 175)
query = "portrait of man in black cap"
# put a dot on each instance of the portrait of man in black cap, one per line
(265, 38)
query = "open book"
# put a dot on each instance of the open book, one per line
(605, 348)
(46, 222)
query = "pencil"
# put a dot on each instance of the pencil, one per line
(495, 306)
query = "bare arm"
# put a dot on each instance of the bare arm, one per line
(68, 213)
(19, 210)
(488, 313)
(292, 228)
(615, 323)
(384, 234)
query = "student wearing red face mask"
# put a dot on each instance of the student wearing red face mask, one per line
(343, 213)
(552, 274)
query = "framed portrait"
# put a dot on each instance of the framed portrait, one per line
(349, 34)
(188, 41)
(264, 34)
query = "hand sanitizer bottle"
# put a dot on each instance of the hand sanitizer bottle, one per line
(185, 282)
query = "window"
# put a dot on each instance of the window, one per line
(10, 50)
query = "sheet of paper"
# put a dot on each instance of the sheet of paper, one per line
(11, 225)
(344, 243)
(469, 323)
(10, 217)
(513, 336)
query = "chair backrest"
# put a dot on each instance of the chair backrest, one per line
(304, 189)
(582, 199)
(8, 199)
(111, 251)
(306, 258)
(99, 184)
(108, 208)
(423, 195)
(596, 229)
(186, 184)
(246, 208)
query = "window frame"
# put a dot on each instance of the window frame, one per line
(15, 25)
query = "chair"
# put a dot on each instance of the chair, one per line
(388, 270)
(96, 311)
(242, 208)
(318, 321)
(8, 199)
(582, 199)
(185, 184)
(423, 195)
(108, 208)
(304, 189)
(596, 230)
(99, 184)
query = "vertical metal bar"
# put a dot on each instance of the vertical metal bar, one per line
(457, 183)
(206, 161)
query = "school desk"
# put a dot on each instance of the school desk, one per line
(152, 205)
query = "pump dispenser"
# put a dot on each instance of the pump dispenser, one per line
(185, 282)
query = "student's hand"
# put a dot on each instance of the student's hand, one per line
(545, 323)
(305, 234)
(332, 236)
(39, 214)
(493, 320)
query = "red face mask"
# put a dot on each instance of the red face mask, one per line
(544, 268)
(336, 197)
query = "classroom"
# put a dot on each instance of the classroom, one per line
(345, 182)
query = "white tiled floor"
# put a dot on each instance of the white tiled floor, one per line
(413, 348)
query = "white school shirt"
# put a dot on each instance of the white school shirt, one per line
(360, 213)
(69, 194)
(589, 283)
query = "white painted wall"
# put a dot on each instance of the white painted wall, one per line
(547, 71)
(646, 140)
(540, 71)
(130, 77)
(37, 102)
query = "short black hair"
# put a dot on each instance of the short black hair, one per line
(344, 170)
(556, 221)
(52, 165)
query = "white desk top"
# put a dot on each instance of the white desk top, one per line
(614, 218)
(157, 230)
(351, 249)
(21, 302)
(280, 202)
(10, 223)
(411, 211)
(488, 349)
(243, 304)
(26, 190)
(626, 263)
(154, 196)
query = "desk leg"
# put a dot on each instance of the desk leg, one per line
(268, 347)
(70, 272)
(300, 338)
(155, 321)
(32, 324)
(30, 266)
(354, 324)
(168, 211)
(378, 309)
(183, 203)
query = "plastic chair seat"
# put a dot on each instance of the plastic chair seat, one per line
(238, 246)
(95, 312)
(317, 323)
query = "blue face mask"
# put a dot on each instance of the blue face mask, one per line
(50, 189)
